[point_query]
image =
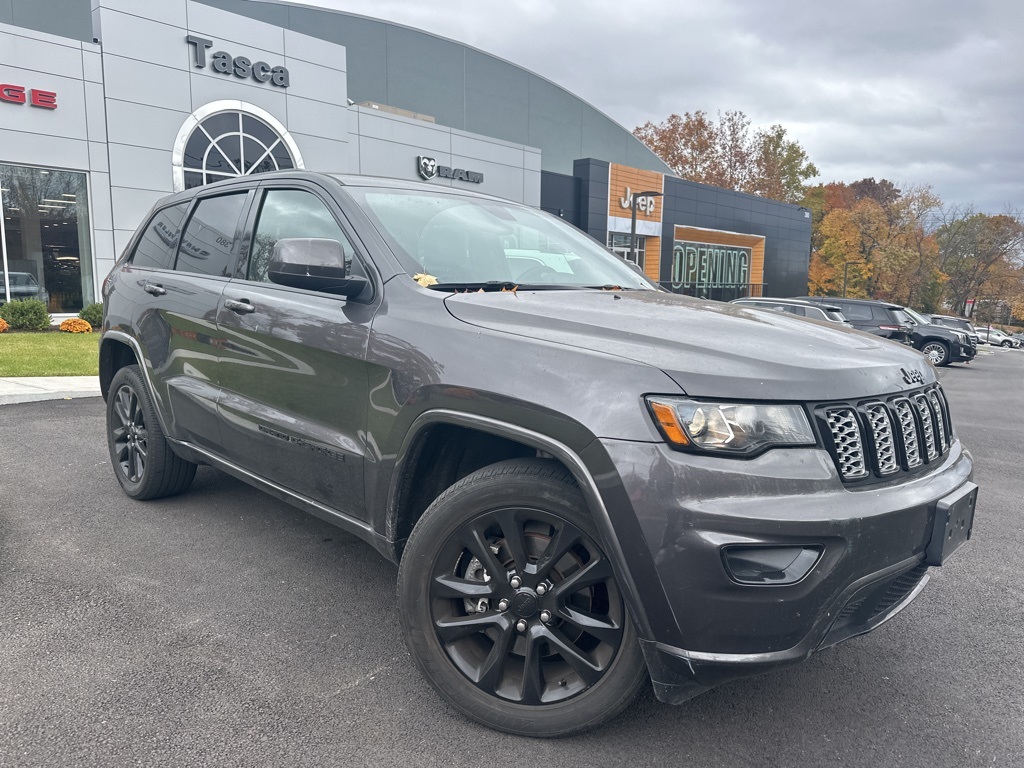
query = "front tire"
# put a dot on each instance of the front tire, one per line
(1006, 344)
(937, 352)
(510, 607)
(143, 461)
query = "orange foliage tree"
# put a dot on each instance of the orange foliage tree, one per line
(727, 154)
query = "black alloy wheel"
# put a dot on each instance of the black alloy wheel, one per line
(128, 431)
(143, 461)
(511, 606)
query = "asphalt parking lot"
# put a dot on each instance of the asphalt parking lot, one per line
(223, 627)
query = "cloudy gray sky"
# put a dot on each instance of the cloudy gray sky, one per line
(916, 91)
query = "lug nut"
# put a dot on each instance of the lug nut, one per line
(542, 588)
(516, 582)
(545, 616)
(521, 625)
(503, 605)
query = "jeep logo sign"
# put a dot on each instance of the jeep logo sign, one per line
(239, 66)
(429, 169)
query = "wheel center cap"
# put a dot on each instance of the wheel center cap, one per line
(525, 604)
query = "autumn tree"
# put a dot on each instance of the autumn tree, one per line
(728, 154)
(879, 237)
(982, 255)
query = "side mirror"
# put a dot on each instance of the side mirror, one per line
(315, 264)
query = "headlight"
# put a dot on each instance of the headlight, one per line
(961, 337)
(739, 429)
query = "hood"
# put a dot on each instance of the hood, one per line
(709, 348)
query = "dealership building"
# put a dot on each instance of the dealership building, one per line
(108, 105)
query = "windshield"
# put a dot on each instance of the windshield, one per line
(460, 241)
(20, 279)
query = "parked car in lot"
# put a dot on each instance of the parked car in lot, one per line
(23, 285)
(587, 481)
(957, 323)
(996, 338)
(939, 344)
(797, 307)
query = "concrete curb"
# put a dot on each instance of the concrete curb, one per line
(31, 389)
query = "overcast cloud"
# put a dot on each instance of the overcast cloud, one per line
(917, 91)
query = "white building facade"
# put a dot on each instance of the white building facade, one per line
(176, 93)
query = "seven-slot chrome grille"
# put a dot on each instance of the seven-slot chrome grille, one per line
(878, 438)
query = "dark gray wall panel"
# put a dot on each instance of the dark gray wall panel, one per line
(554, 124)
(271, 13)
(560, 194)
(426, 74)
(495, 95)
(6, 12)
(67, 18)
(365, 47)
(599, 136)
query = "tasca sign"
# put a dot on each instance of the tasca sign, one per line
(239, 66)
(429, 169)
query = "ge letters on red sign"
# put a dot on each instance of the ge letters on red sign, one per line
(16, 94)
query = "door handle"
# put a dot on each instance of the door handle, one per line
(241, 306)
(155, 289)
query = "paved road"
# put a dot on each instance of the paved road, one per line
(224, 628)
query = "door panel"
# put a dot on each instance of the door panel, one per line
(292, 370)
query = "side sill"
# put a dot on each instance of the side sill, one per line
(349, 524)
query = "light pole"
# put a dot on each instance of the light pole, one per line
(632, 220)
(846, 269)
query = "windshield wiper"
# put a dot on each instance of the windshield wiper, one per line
(491, 286)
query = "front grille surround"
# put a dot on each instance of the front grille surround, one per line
(882, 438)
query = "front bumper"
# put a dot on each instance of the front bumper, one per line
(962, 352)
(873, 541)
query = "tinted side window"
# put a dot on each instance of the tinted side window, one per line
(857, 313)
(794, 310)
(156, 246)
(208, 245)
(294, 213)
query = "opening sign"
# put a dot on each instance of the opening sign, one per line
(709, 266)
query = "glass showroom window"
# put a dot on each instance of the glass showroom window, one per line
(45, 238)
(217, 143)
(619, 243)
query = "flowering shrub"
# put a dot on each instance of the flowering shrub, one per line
(76, 325)
(3, 325)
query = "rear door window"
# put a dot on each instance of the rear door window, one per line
(208, 246)
(155, 249)
(858, 312)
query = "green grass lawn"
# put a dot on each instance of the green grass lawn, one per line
(49, 354)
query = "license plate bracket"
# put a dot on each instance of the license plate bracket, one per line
(954, 521)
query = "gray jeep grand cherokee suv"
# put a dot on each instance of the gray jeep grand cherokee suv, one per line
(586, 480)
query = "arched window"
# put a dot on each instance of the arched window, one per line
(224, 139)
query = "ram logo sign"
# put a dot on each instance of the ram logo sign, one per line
(429, 169)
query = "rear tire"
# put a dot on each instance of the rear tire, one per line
(143, 461)
(509, 604)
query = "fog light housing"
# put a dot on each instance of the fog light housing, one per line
(775, 566)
